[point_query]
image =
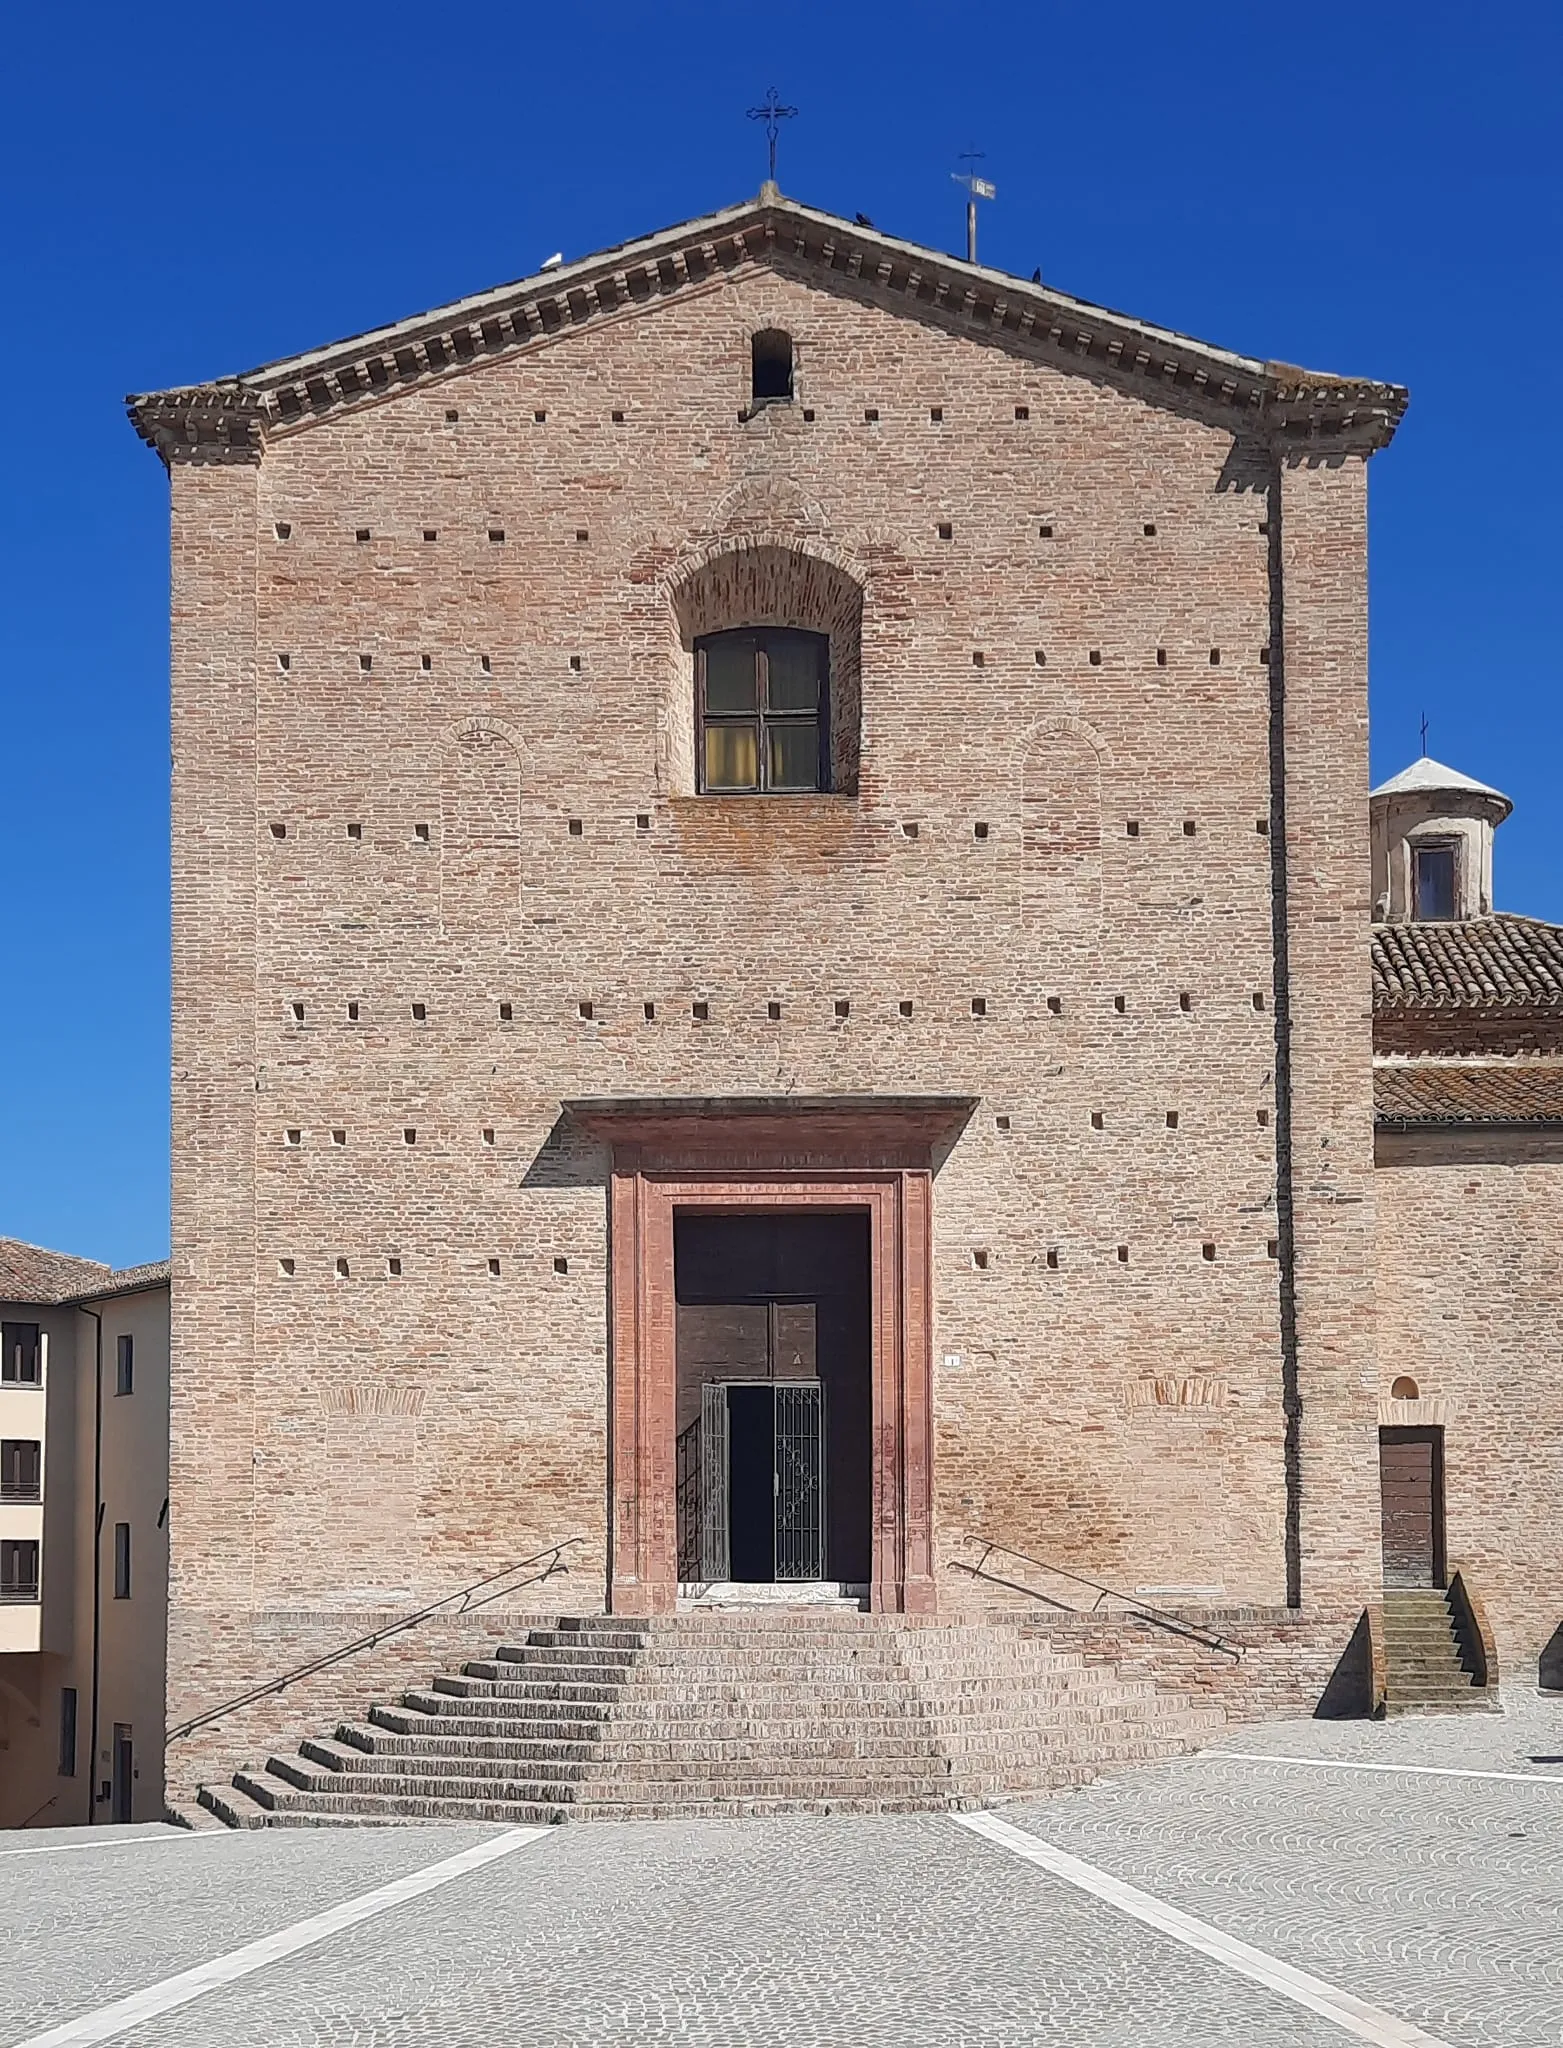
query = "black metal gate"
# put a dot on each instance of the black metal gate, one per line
(713, 1481)
(800, 1480)
(704, 1481)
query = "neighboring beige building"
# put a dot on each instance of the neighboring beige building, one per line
(83, 1441)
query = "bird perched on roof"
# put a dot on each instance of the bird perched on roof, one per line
(552, 262)
(1036, 275)
(862, 220)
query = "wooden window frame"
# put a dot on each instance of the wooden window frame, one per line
(762, 718)
(1441, 845)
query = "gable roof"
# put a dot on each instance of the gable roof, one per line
(230, 419)
(41, 1278)
(1497, 962)
(1526, 1092)
(1429, 776)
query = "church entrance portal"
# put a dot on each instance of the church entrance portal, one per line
(773, 1397)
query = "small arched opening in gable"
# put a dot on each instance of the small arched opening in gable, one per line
(770, 356)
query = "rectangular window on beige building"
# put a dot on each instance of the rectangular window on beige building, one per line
(18, 1571)
(125, 1366)
(21, 1468)
(67, 1731)
(121, 1560)
(21, 1360)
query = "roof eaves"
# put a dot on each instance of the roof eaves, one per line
(128, 1280)
(1403, 1125)
(230, 419)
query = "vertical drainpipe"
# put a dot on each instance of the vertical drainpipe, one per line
(1291, 1392)
(97, 1561)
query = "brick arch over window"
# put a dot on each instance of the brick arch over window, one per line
(1061, 827)
(770, 580)
(482, 837)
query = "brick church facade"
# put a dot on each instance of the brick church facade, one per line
(772, 981)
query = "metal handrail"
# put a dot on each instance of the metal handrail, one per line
(1174, 1624)
(466, 1601)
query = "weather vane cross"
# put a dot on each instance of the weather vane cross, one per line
(772, 113)
(976, 188)
(1424, 732)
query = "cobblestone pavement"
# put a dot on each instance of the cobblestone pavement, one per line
(1439, 1899)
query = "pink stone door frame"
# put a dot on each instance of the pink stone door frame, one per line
(643, 1535)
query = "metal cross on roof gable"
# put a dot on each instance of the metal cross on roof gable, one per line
(772, 113)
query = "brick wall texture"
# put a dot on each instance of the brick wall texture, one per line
(438, 867)
(1470, 1274)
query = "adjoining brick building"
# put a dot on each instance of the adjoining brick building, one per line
(1468, 1096)
(771, 887)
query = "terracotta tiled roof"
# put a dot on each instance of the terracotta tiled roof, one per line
(29, 1273)
(1497, 962)
(1469, 1092)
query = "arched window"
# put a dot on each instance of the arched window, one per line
(771, 355)
(762, 708)
(1404, 1389)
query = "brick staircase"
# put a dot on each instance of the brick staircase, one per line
(1428, 1671)
(715, 1712)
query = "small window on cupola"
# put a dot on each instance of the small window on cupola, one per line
(1433, 881)
(771, 358)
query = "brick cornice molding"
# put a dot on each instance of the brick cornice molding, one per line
(1295, 411)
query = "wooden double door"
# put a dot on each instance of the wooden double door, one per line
(1411, 1497)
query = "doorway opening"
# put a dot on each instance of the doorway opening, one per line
(774, 1403)
(121, 1794)
(1411, 1504)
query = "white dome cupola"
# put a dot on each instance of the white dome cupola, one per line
(1431, 832)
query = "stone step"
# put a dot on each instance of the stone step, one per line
(521, 1790)
(513, 1684)
(309, 1775)
(801, 1620)
(504, 1704)
(600, 1664)
(1478, 1702)
(596, 1641)
(396, 1722)
(364, 1741)
(794, 1788)
(233, 1806)
(282, 1803)
(193, 1817)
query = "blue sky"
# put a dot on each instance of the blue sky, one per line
(191, 190)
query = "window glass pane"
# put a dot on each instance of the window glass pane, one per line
(1435, 881)
(730, 673)
(732, 757)
(795, 677)
(792, 756)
